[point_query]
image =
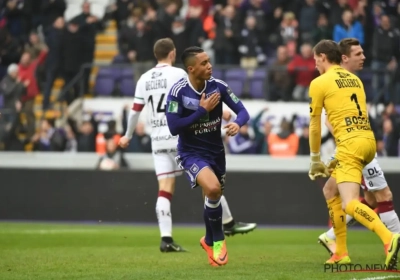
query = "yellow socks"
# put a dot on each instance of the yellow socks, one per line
(368, 218)
(338, 218)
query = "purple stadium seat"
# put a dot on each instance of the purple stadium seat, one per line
(1, 101)
(105, 81)
(119, 59)
(127, 86)
(218, 73)
(127, 72)
(236, 79)
(257, 84)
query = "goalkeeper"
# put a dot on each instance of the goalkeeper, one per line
(342, 95)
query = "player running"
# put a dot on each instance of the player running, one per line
(152, 89)
(342, 95)
(194, 112)
(376, 190)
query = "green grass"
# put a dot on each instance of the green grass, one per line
(61, 251)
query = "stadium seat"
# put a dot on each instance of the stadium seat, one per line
(119, 59)
(236, 79)
(218, 73)
(257, 84)
(127, 82)
(1, 101)
(105, 81)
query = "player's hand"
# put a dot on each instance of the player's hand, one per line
(211, 102)
(123, 142)
(232, 129)
(318, 169)
(331, 164)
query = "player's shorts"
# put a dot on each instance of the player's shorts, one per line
(353, 155)
(165, 164)
(373, 177)
(193, 164)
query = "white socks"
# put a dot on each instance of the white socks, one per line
(163, 210)
(226, 212)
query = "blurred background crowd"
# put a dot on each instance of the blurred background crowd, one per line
(54, 51)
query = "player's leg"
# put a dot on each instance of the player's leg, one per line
(166, 170)
(349, 171)
(212, 187)
(336, 246)
(231, 227)
(377, 186)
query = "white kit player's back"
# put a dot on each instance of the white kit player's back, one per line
(153, 88)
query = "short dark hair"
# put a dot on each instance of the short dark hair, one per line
(190, 53)
(346, 44)
(330, 49)
(162, 48)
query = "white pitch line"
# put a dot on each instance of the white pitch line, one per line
(49, 231)
(378, 278)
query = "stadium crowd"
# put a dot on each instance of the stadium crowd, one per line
(38, 42)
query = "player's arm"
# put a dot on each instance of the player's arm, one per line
(234, 103)
(316, 105)
(134, 113)
(176, 122)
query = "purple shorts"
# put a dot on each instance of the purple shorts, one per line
(193, 164)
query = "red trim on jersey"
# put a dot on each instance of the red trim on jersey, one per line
(137, 107)
(166, 173)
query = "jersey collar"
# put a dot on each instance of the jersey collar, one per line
(161, 65)
(198, 93)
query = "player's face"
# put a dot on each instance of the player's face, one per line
(319, 62)
(202, 68)
(355, 61)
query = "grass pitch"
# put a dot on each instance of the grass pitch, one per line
(76, 251)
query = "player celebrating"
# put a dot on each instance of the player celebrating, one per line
(194, 112)
(342, 95)
(152, 88)
(376, 190)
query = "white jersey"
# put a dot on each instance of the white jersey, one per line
(152, 90)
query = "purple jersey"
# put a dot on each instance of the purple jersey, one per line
(199, 131)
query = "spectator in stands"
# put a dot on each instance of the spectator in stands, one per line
(72, 144)
(377, 13)
(225, 43)
(49, 138)
(123, 11)
(72, 57)
(166, 14)
(51, 11)
(303, 68)
(258, 9)
(285, 143)
(322, 30)
(12, 90)
(141, 141)
(11, 51)
(307, 20)
(337, 10)
(288, 31)
(88, 25)
(113, 159)
(14, 13)
(348, 28)
(85, 134)
(385, 49)
(101, 138)
(35, 46)
(279, 80)
(250, 46)
(391, 131)
(261, 132)
(242, 143)
(54, 40)
(27, 74)
(304, 144)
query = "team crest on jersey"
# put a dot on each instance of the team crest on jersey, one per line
(190, 103)
(194, 168)
(343, 75)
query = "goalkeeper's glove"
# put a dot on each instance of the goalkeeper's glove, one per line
(331, 164)
(318, 169)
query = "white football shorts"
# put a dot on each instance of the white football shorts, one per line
(165, 164)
